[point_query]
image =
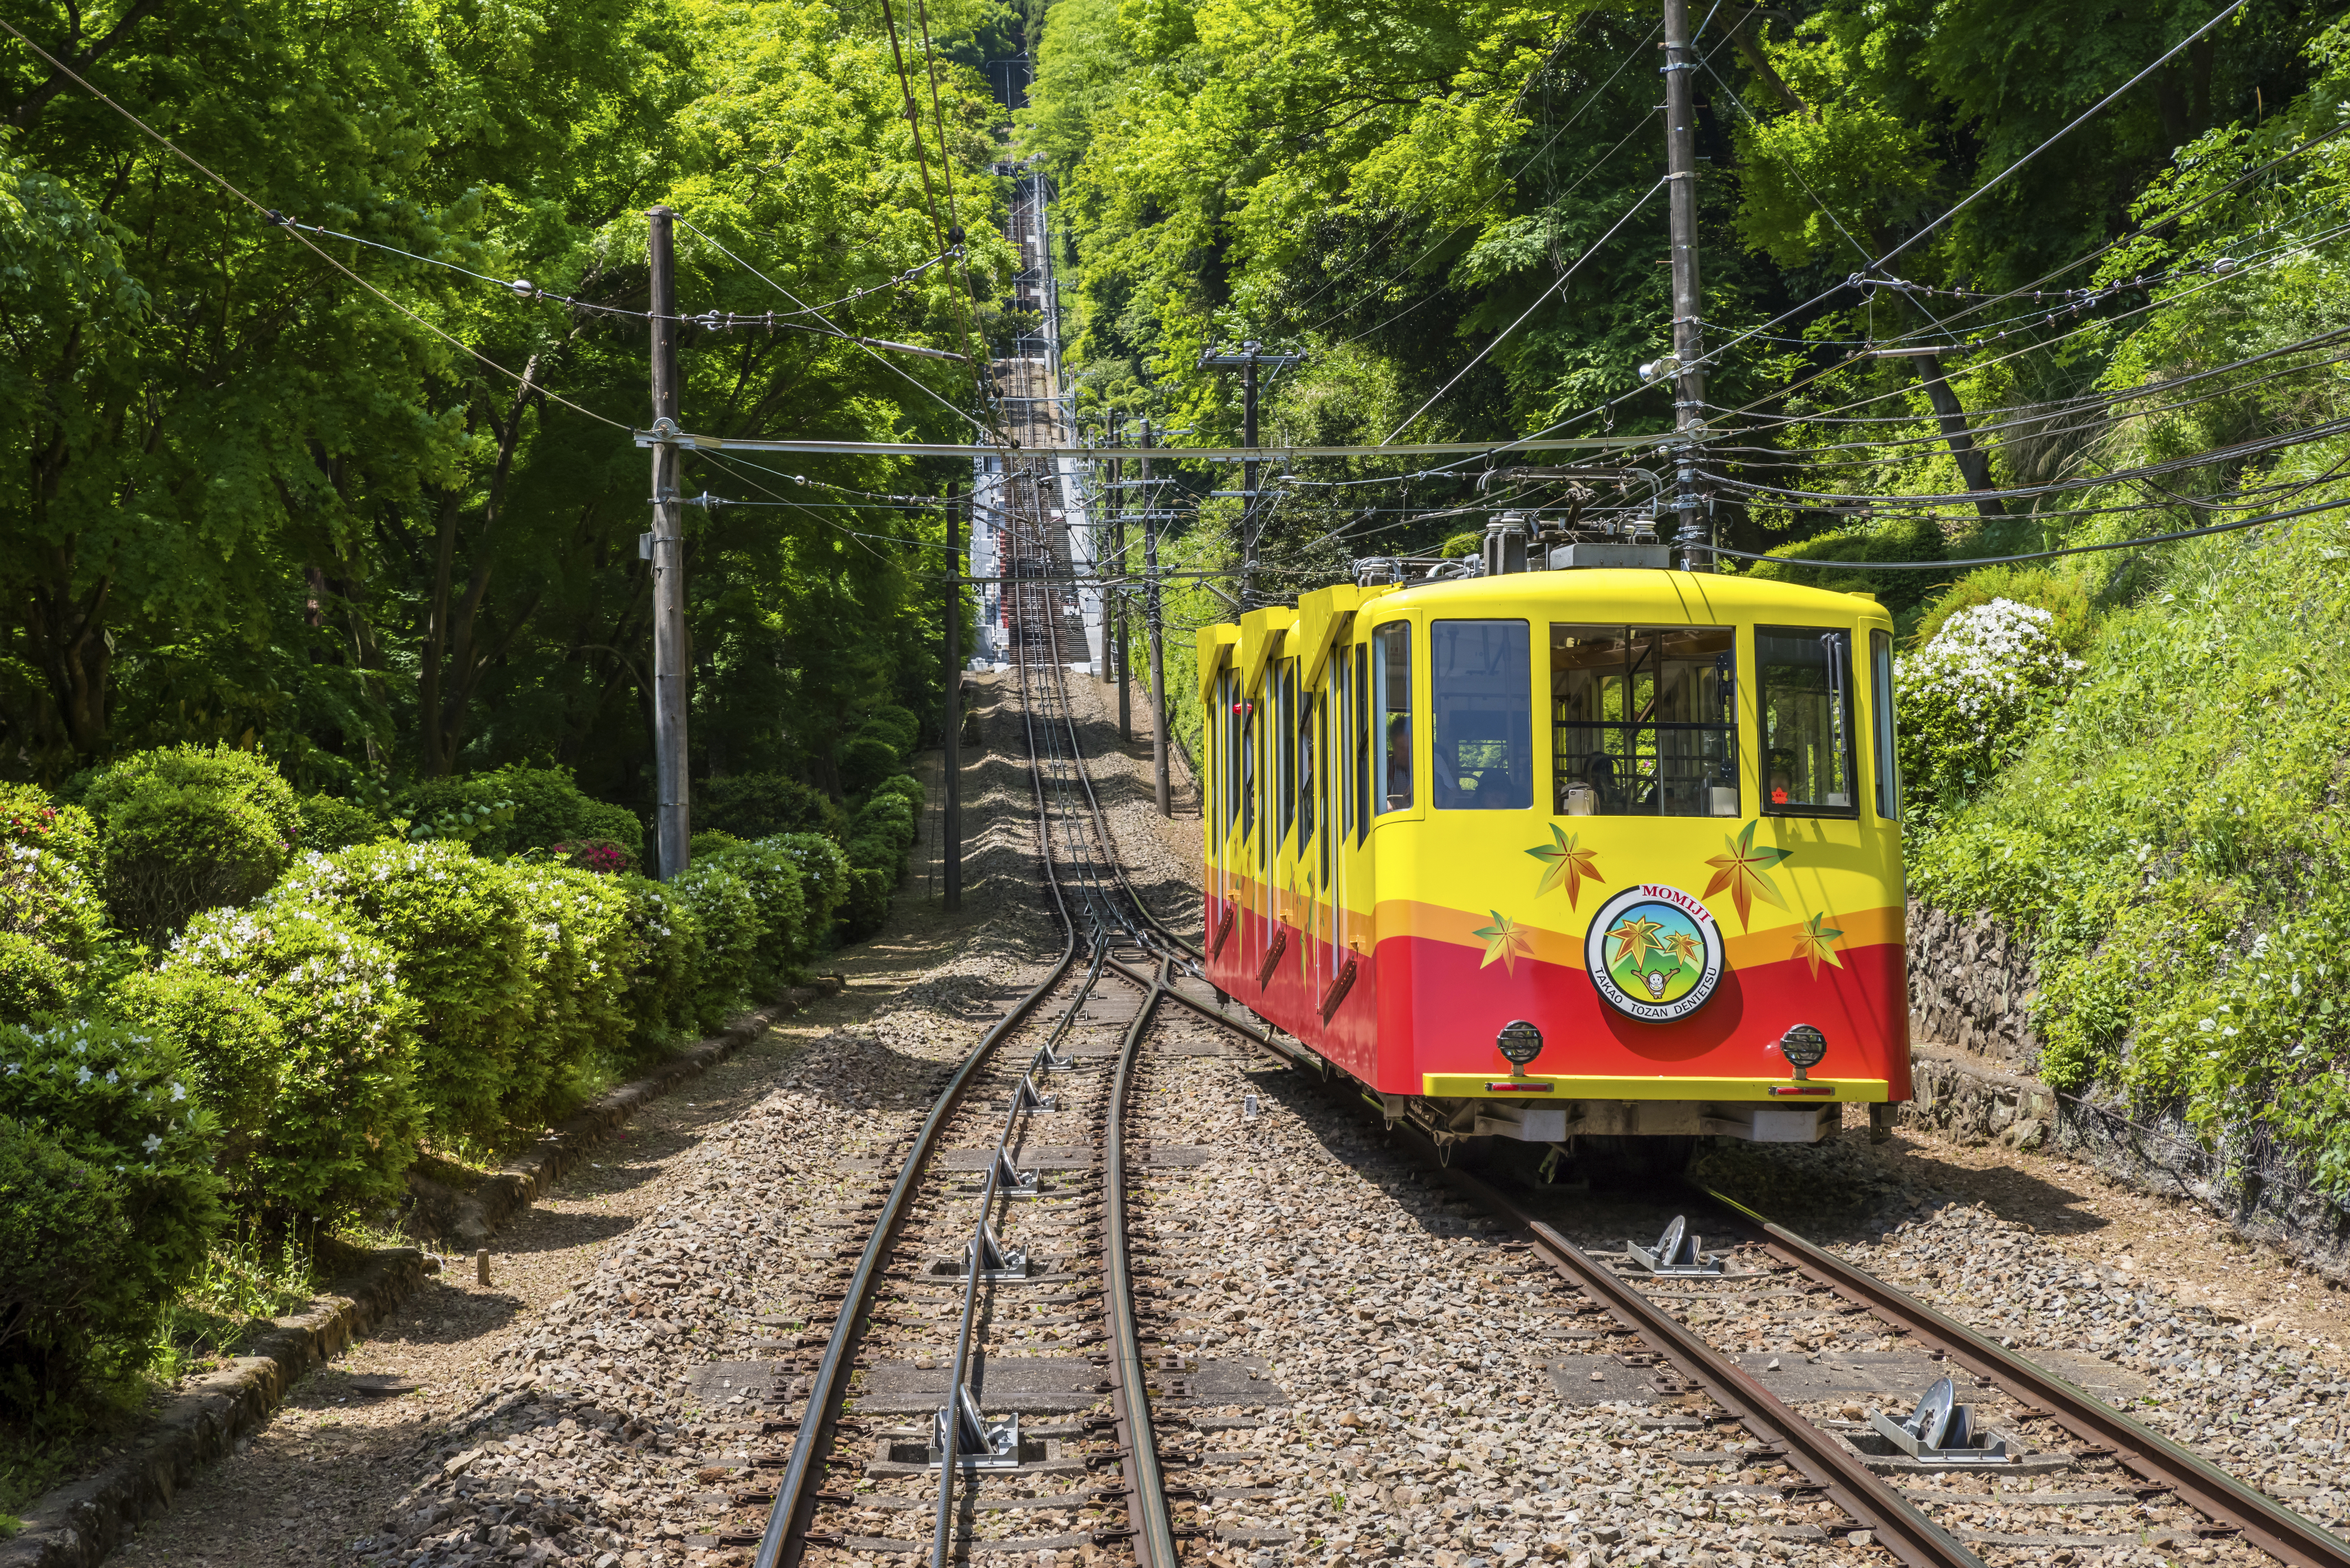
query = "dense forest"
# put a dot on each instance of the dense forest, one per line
(322, 410)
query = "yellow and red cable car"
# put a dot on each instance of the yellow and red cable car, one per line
(1552, 854)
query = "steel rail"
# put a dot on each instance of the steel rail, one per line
(2262, 1520)
(966, 1324)
(1147, 1509)
(1897, 1523)
(1101, 820)
(784, 1541)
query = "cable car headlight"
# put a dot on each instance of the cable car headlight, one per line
(1520, 1041)
(1803, 1046)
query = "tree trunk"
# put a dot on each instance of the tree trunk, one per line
(1974, 467)
(70, 644)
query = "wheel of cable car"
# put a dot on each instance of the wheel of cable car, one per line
(1555, 855)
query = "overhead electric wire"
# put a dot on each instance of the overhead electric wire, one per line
(1555, 284)
(274, 220)
(928, 391)
(2230, 527)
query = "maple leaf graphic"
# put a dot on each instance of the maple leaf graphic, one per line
(1683, 946)
(1504, 940)
(1743, 870)
(1814, 941)
(1635, 938)
(1563, 862)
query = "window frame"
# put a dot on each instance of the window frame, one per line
(1527, 628)
(1415, 746)
(1848, 717)
(1885, 755)
(1731, 730)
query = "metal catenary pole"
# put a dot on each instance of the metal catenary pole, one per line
(1688, 326)
(1150, 616)
(671, 811)
(951, 721)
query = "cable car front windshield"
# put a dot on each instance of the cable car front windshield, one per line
(1642, 721)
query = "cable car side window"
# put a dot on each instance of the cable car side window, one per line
(1391, 703)
(1481, 699)
(1364, 750)
(1880, 703)
(1643, 720)
(1807, 715)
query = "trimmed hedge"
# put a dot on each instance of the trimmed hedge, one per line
(772, 875)
(760, 806)
(547, 809)
(186, 828)
(330, 822)
(728, 919)
(294, 992)
(107, 1197)
(452, 926)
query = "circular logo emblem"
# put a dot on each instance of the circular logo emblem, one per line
(1654, 953)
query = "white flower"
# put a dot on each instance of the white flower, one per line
(179, 1093)
(81, 1077)
(154, 1143)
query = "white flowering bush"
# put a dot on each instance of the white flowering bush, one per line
(1967, 700)
(454, 925)
(777, 894)
(824, 876)
(302, 1038)
(664, 956)
(108, 1196)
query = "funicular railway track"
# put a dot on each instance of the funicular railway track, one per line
(966, 1257)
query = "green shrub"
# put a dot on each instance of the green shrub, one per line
(728, 921)
(905, 787)
(32, 980)
(708, 842)
(824, 878)
(759, 805)
(233, 1045)
(453, 924)
(887, 819)
(898, 726)
(113, 1107)
(1969, 701)
(185, 828)
(62, 1241)
(772, 875)
(663, 954)
(866, 907)
(547, 809)
(577, 948)
(31, 819)
(330, 822)
(865, 761)
(317, 1007)
(45, 898)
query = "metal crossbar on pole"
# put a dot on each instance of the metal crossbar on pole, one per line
(690, 441)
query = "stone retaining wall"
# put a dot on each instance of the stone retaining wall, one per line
(1971, 1063)
(1969, 986)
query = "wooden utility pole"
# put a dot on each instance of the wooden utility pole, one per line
(1248, 359)
(1117, 595)
(951, 721)
(672, 819)
(1150, 623)
(1689, 322)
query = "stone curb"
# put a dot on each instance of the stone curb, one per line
(77, 1524)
